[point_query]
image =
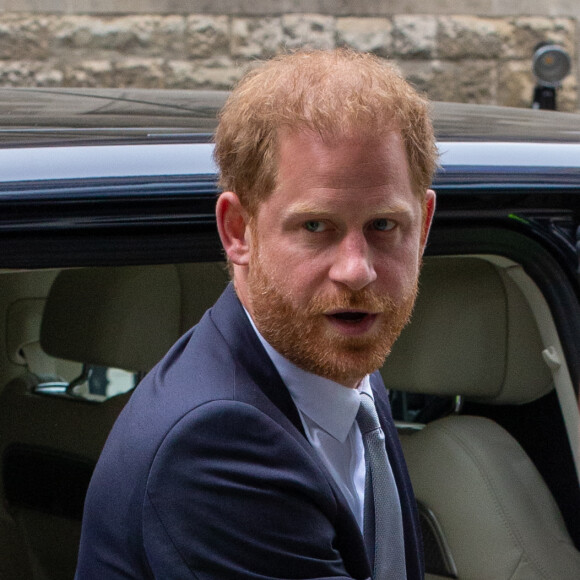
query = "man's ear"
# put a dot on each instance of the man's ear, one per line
(429, 210)
(232, 222)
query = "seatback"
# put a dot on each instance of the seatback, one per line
(125, 318)
(488, 511)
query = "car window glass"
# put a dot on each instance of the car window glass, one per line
(95, 383)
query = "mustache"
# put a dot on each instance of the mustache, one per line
(364, 300)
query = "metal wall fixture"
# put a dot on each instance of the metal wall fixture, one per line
(550, 65)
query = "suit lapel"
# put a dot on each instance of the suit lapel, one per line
(247, 350)
(257, 378)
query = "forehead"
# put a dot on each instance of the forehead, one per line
(355, 177)
(355, 160)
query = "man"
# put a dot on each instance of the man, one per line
(240, 455)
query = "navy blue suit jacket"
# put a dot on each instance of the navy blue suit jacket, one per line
(208, 474)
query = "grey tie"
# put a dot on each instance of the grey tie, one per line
(382, 507)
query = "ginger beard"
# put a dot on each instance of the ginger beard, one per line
(306, 338)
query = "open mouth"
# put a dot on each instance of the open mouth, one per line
(352, 322)
(353, 317)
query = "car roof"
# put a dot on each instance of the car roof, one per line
(50, 116)
(31, 115)
(50, 135)
(468, 122)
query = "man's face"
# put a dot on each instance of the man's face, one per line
(334, 253)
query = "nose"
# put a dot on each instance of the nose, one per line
(352, 264)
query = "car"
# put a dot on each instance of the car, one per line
(109, 251)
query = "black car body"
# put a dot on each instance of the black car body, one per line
(102, 182)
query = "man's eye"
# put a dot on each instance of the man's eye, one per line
(383, 225)
(314, 226)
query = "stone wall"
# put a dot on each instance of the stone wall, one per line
(451, 57)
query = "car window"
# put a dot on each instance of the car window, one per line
(95, 383)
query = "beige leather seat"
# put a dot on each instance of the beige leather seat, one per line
(124, 318)
(490, 513)
(127, 317)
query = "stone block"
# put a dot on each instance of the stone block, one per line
(89, 73)
(451, 57)
(146, 73)
(48, 77)
(18, 73)
(126, 72)
(567, 96)
(418, 72)
(29, 73)
(256, 37)
(414, 36)
(516, 84)
(168, 38)
(529, 31)
(207, 36)
(308, 31)
(89, 33)
(470, 81)
(214, 74)
(23, 38)
(366, 34)
(460, 37)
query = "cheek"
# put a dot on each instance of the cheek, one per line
(398, 274)
(301, 280)
(293, 262)
(283, 268)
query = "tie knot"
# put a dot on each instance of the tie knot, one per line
(367, 417)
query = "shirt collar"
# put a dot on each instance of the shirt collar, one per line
(332, 406)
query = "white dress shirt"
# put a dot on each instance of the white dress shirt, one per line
(328, 412)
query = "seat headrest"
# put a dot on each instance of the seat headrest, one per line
(472, 334)
(23, 319)
(115, 317)
(201, 285)
(126, 317)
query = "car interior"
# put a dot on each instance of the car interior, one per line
(479, 384)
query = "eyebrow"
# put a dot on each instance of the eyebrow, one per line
(304, 208)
